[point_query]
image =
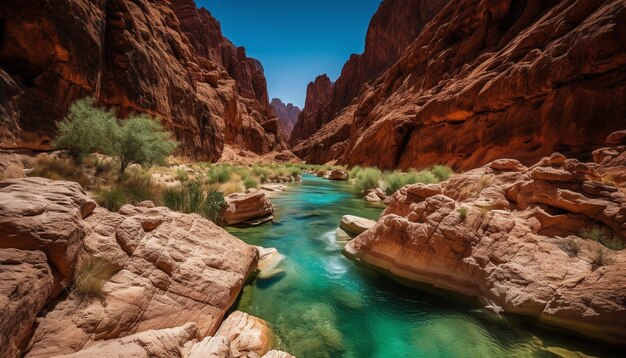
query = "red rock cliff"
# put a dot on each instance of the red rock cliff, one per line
(166, 58)
(287, 116)
(485, 80)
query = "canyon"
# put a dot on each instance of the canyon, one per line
(465, 83)
(520, 103)
(168, 59)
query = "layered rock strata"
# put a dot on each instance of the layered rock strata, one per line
(478, 81)
(287, 116)
(168, 59)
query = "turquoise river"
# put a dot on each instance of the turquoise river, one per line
(326, 306)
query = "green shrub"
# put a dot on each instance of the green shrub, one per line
(441, 172)
(138, 186)
(220, 174)
(355, 172)
(86, 129)
(174, 198)
(295, 171)
(91, 275)
(600, 258)
(394, 181)
(142, 140)
(181, 175)
(60, 169)
(462, 213)
(250, 183)
(602, 236)
(212, 204)
(369, 179)
(111, 198)
(191, 198)
(425, 177)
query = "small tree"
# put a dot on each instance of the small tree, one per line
(86, 129)
(142, 140)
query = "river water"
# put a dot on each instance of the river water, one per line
(326, 306)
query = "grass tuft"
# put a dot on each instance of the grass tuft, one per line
(91, 275)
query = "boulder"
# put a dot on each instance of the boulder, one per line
(337, 174)
(355, 225)
(252, 208)
(512, 238)
(269, 260)
(26, 284)
(45, 215)
(246, 334)
(169, 269)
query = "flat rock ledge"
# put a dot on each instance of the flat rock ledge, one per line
(511, 236)
(171, 279)
(355, 225)
(252, 208)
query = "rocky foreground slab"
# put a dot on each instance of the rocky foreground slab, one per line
(520, 239)
(160, 282)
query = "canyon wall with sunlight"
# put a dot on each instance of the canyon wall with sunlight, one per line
(466, 82)
(168, 59)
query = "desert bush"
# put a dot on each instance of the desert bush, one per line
(425, 177)
(294, 171)
(485, 180)
(369, 179)
(181, 175)
(602, 236)
(212, 204)
(191, 198)
(441, 172)
(571, 247)
(233, 187)
(250, 183)
(60, 169)
(394, 181)
(220, 174)
(462, 213)
(354, 172)
(91, 275)
(86, 129)
(142, 140)
(112, 198)
(600, 258)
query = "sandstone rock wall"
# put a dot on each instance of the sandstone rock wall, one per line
(483, 80)
(287, 116)
(168, 59)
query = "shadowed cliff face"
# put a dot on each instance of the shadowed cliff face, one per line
(168, 59)
(484, 80)
(287, 116)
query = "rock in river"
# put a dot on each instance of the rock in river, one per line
(355, 225)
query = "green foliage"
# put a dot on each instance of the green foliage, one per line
(369, 179)
(394, 181)
(181, 175)
(142, 140)
(602, 236)
(294, 171)
(132, 188)
(441, 172)
(220, 174)
(111, 198)
(425, 177)
(462, 213)
(212, 204)
(355, 172)
(86, 129)
(91, 275)
(191, 198)
(250, 183)
(60, 169)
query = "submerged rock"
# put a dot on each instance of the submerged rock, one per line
(253, 208)
(355, 225)
(510, 236)
(269, 260)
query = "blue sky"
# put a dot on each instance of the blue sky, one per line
(295, 40)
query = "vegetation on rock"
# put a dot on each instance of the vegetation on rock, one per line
(91, 275)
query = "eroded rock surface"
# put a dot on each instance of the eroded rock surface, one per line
(170, 269)
(512, 236)
(471, 82)
(165, 58)
(287, 116)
